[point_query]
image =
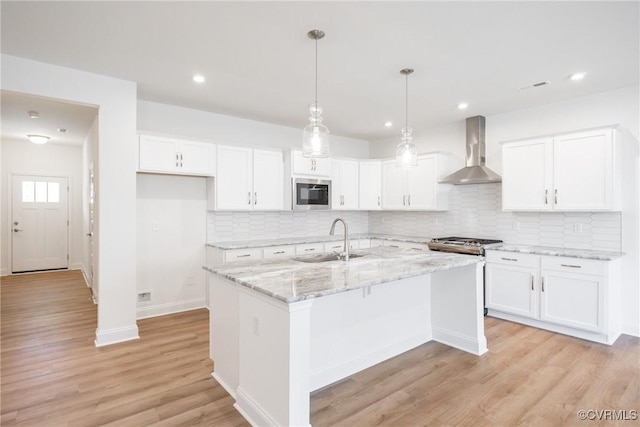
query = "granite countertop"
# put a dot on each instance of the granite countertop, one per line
(554, 251)
(290, 281)
(244, 244)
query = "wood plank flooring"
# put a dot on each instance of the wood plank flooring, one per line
(53, 375)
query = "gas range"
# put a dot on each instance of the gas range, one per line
(462, 245)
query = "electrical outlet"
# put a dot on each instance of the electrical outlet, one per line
(144, 296)
(190, 281)
(577, 227)
(155, 225)
(256, 326)
(515, 225)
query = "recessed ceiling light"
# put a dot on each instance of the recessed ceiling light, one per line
(577, 76)
(462, 106)
(62, 130)
(388, 124)
(38, 139)
(198, 78)
(33, 114)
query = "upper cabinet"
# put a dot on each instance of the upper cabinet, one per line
(370, 185)
(249, 179)
(174, 156)
(416, 188)
(571, 172)
(344, 184)
(310, 166)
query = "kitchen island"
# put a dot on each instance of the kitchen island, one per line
(281, 329)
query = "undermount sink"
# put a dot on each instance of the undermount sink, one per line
(323, 257)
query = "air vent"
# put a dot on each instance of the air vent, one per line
(539, 84)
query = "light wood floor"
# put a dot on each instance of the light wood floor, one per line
(53, 375)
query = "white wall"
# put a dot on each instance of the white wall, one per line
(116, 184)
(171, 254)
(161, 119)
(21, 157)
(619, 107)
(89, 161)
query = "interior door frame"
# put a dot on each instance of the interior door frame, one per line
(10, 216)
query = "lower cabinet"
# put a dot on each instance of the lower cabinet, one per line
(579, 297)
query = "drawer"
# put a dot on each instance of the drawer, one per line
(338, 245)
(278, 251)
(375, 243)
(309, 248)
(574, 265)
(407, 245)
(242, 254)
(513, 258)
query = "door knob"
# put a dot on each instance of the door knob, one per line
(15, 230)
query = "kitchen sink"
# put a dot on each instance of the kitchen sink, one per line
(324, 257)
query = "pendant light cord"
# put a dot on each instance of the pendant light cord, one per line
(316, 97)
(406, 116)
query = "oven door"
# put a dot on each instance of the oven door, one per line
(311, 194)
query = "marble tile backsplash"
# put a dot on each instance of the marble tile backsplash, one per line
(475, 211)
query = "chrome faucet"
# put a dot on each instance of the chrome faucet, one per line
(345, 252)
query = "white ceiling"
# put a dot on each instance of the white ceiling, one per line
(259, 63)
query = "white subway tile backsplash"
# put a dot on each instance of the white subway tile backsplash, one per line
(475, 211)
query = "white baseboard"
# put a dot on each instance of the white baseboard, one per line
(326, 376)
(224, 385)
(461, 342)
(253, 413)
(114, 336)
(4, 272)
(170, 308)
(631, 329)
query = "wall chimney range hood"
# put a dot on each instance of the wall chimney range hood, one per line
(475, 171)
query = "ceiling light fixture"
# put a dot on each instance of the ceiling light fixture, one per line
(577, 76)
(198, 78)
(406, 151)
(388, 124)
(38, 139)
(462, 106)
(33, 114)
(315, 136)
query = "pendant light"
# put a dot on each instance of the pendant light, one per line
(406, 151)
(315, 140)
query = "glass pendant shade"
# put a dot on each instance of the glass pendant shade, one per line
(406, 151)
(315, 139)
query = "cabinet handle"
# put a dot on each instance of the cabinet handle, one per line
(249, 197)
(404, 200)
(310, 249)
(255, 198)
(555, 196)
(542, 279)
(181, 164)
(409, 199)
(378, 200)
(570, 265)
(177, 160)
(509, 259)
(278, 252)
(532, 282)
(244, 255)
(546, 199)
(394, 246)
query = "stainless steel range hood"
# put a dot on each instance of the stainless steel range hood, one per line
(475, 171)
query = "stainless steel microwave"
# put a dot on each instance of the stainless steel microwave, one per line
(311, 194)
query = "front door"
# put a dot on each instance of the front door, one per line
(39, 223)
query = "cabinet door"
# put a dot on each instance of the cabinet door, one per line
(526, 175)
(394, 196)
(582, 171)
(344, 182)
(234, 178)
(422, 184)
(196, 158)
(268, 180)
(308, 166)
(575, 300)
(158, 154)
(370, 185)
(511, 289)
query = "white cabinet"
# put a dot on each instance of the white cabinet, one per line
(279, 251)
(406, 245)
(416, 188)
(173, 156)
(370, 185)
(344, 184)
(249, 179)
(309, 248)
(571, 172)
(310, 166)
(578, 297)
